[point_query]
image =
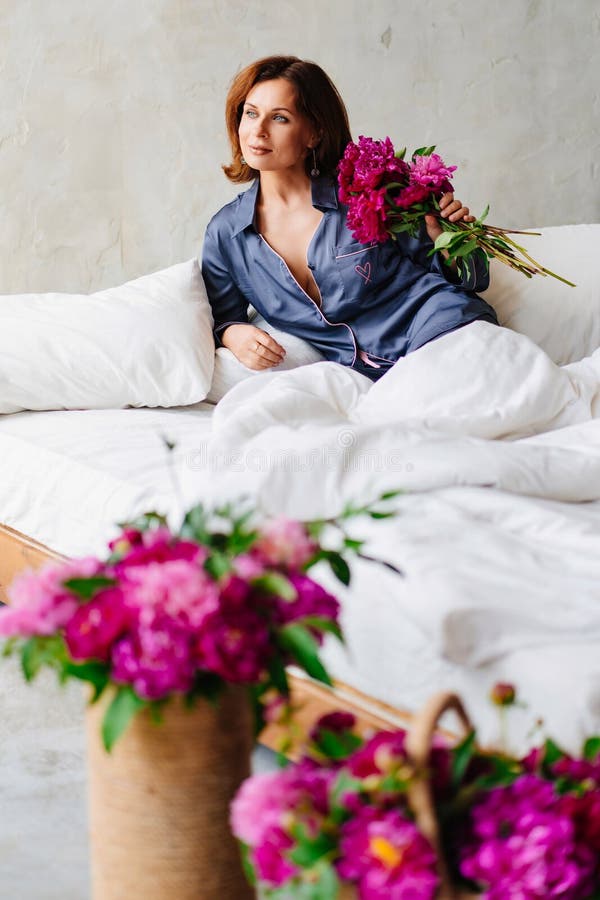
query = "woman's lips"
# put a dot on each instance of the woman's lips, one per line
(259, 151)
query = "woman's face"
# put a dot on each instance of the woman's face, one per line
(273, 135)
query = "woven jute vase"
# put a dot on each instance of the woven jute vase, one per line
(420, 794)
(159, 802)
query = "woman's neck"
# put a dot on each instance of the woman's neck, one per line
(287, 189)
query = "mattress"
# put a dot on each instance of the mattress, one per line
(68, 477)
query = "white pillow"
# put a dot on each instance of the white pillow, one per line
(229, 371)
(563, 321)
(146, 343)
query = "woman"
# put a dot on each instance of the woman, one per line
(283, 245)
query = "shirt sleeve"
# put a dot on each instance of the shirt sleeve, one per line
(229, 306)
(477, 278)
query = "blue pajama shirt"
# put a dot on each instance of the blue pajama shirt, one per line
(379, 301)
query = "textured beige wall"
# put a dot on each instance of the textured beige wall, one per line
(111, 120)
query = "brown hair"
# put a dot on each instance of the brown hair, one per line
(317, 98)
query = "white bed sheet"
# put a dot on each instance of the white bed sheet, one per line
(68, 477)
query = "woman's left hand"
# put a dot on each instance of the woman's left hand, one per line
(450, 209)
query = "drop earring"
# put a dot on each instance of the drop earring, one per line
(243, 161)
(314, 172)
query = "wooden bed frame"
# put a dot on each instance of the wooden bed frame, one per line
(310, 699)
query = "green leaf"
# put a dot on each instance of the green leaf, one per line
(483, 216)
(503, 771)
(97, 673)
(325, 625)
(400, 154)
(339, 567)
(382, 515)
(552, 753)
(11, 645)
(124, 705)
(352, 544)
(278, 675)
(277, 584)
(247, 864)
(424, 151)
(39, 651)
(87, 587)
(443, 240)
(344, 784)
(146, 521)
(303, 648)
(461, 757)
(591, 748)
(308, 851)
(391, 495)
(466, 248)
(195, 526)
(217, 565)
(337, 746)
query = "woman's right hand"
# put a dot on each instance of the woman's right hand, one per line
(253, 347)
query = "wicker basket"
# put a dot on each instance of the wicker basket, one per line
(159, 802)
(420, 796)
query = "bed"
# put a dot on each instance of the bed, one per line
(497, 531)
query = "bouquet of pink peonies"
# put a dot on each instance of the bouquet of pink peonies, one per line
(353, 818)
(221, 601)
(387, 196)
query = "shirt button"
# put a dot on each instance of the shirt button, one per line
(310, 266)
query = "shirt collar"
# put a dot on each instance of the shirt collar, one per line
(324, 196)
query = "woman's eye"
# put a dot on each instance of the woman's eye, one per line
(280, 118)
(250, 112)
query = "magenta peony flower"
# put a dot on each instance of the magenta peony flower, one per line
(522, 845)
(311, 600)
(369, 165)
(40, 603)
(431, 172)
(414, 193)
(158, 545)
(156, 660)
(387, 857)
(285, 542)
(94, 627)
(380, 755)
(337, 722)
(234, 640)
(367, 217)
(273, 866)
(584, 812)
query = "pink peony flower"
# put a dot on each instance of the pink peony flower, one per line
(262, 803)
(387, 857)
(285, 542)
(523, 845)
(40, 603)
(267, 807)
(156, 660)
(431, 172)
(179, 588)
(97, 624)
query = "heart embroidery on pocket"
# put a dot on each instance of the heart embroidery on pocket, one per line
(364, 271)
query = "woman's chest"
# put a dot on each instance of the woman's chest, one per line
(290, 238)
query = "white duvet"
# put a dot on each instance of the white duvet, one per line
(496, 447)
